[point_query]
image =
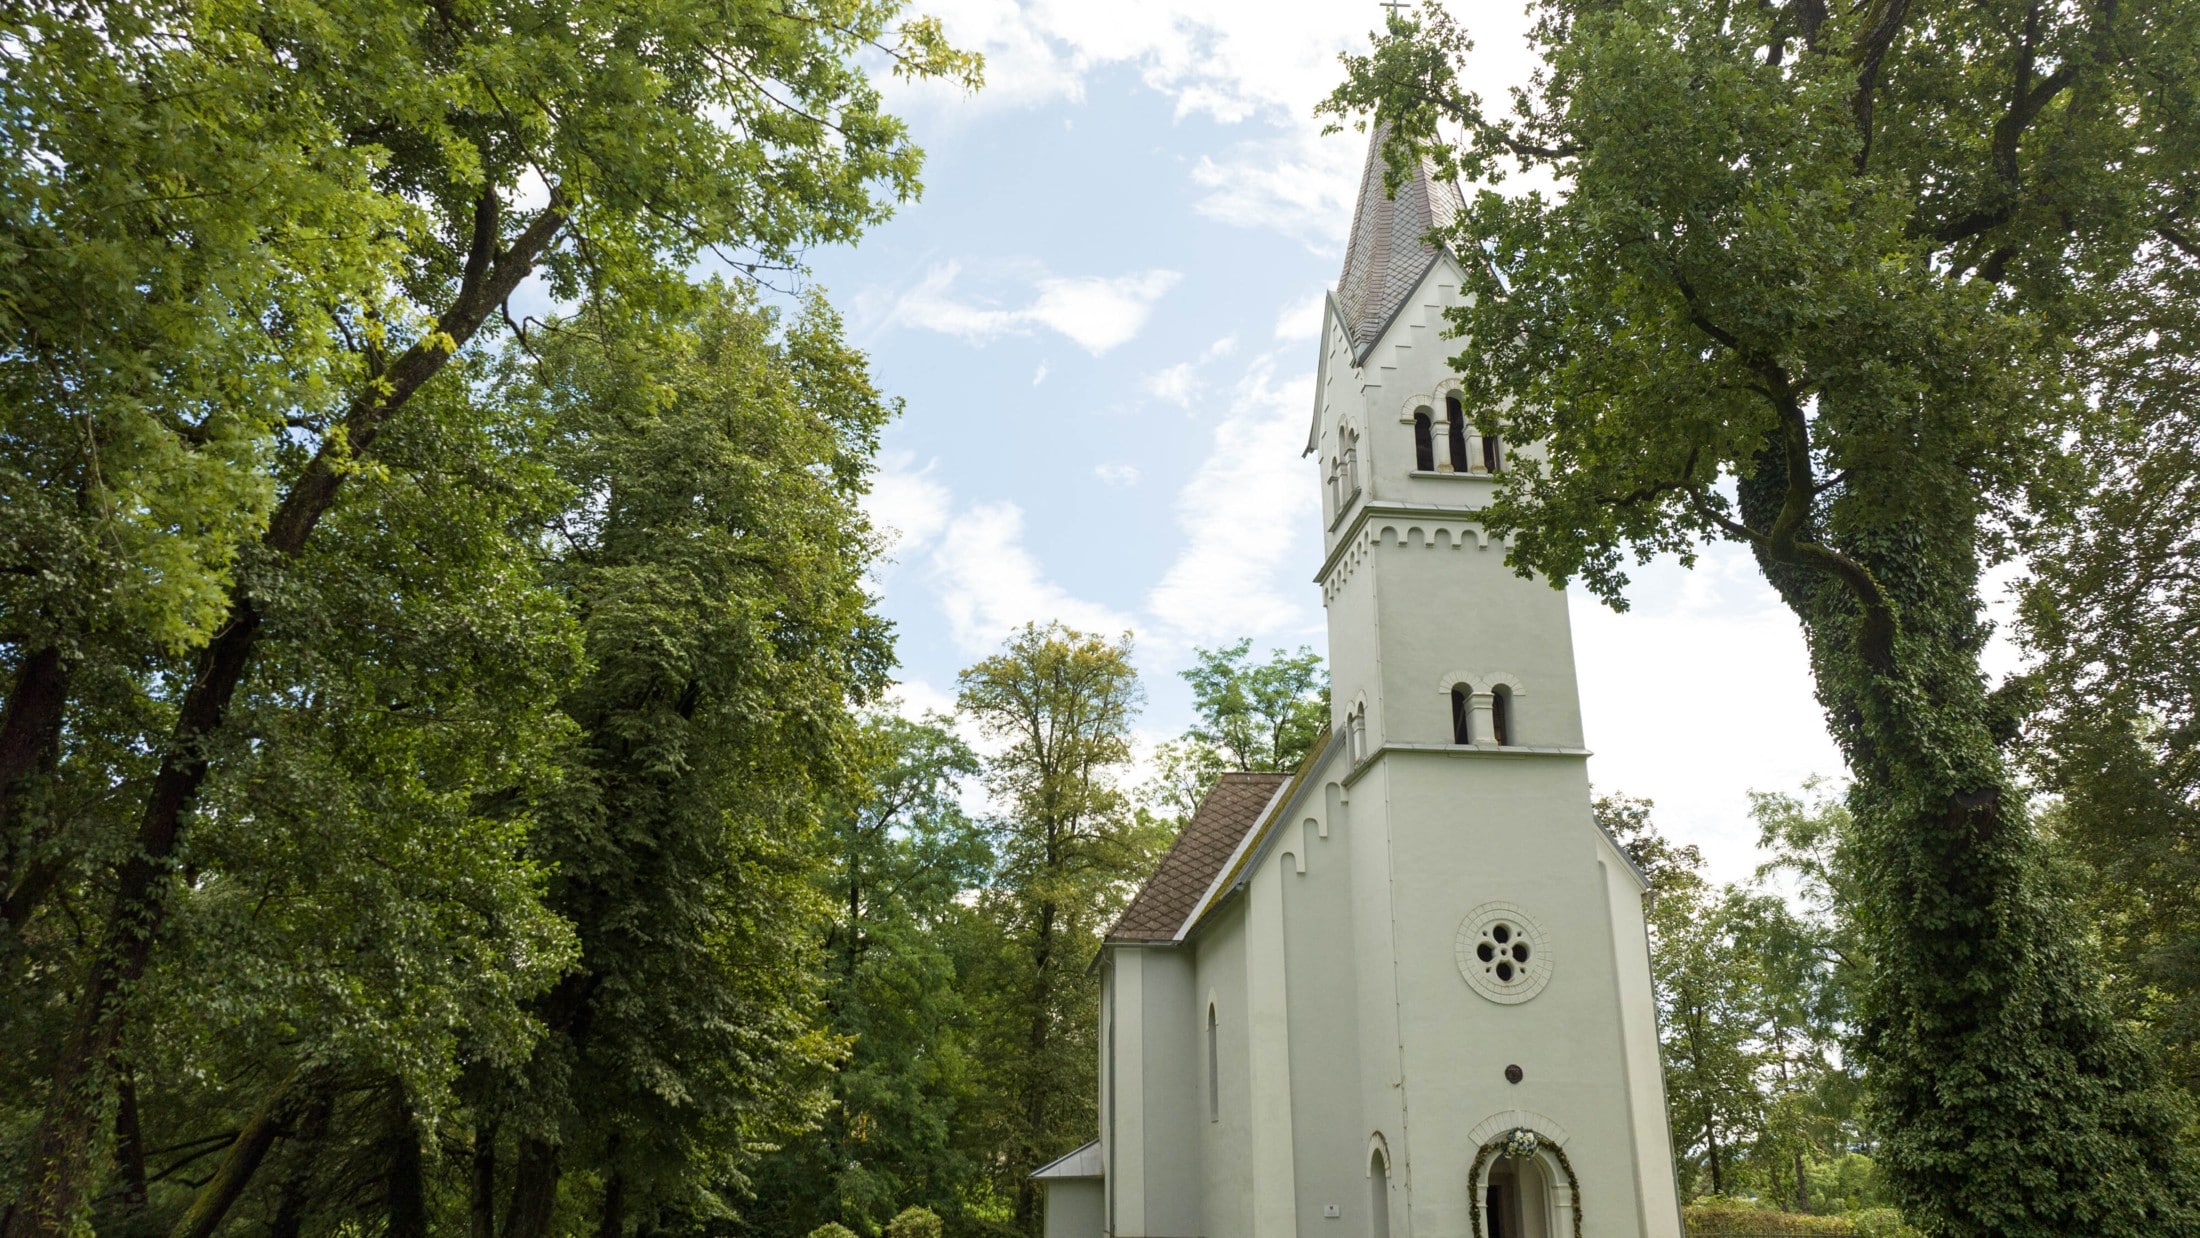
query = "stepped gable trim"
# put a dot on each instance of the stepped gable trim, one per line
(1208, 840)
(1249, 850)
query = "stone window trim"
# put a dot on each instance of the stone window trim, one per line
(1491, 704)
(1513, 942)
(1486, 455)
(1483, 681)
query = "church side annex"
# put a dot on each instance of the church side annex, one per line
(1406, 991)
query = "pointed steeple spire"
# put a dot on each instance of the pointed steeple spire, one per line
(1389, 251)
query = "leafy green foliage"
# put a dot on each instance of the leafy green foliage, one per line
(1267, 716)
(1821, 282)
(1754, 1006)
(1059, 704)
(2111, 612)
(913, 1223)
(252, 254)
(1259, 716)
(714, 560)
(901, 856)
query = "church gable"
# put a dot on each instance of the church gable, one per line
(1232, 806)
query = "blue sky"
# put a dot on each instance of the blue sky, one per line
(1102, 317)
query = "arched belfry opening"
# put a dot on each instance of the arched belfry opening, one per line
(1424, 442)
(1455, 430)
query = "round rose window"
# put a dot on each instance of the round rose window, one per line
(1502, 953)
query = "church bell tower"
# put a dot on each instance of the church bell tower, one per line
(1403, 991)
(1508, 1036)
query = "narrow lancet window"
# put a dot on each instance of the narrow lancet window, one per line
(1424, 442)
(1455, 426)
(1462, 704)
(1501, 716)
(1214, 1069)
(1493, 454)
(1378, 1192)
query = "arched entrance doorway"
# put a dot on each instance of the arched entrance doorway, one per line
(1516, 1201)
(1523, 1186)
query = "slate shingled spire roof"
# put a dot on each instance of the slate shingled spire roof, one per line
(1389, 251)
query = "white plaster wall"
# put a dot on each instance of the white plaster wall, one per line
(1471, 827)
(1268, 1055)
(1445, 604)
(1126, 1162)
(1313, 862)
(1107, 1085)
(1075, 1208)
(1175, 1092)
(1225, 1148)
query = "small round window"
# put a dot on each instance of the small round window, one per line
(1502, 953)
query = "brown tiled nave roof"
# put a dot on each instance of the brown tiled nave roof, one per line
(1231, 807)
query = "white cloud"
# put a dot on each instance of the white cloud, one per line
(1116, 474)
(1096, 313)
(1241, 571)
(906, 503)
(1301, 320)
(989, 583)
(1178, 384)
(914, 698)
(1300, 183)
(1237, 61)
(1041, 376)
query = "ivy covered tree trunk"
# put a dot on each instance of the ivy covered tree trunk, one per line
(1986, 1027)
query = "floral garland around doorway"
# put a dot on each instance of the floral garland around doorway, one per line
(1518, 1144)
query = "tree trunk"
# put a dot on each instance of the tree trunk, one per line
(483, 1205)
(1983, 1025)
(129, 1146)
(405, 1179)
(270, 1122)
(1035, 1099)
(534, 1190)
(296, 1193)
(30, 742)
(61, 1148)
(1718, 1163)
(612, 1224)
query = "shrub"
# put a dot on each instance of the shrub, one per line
(832, 1229)
(914, 1223)
(1729, 1219)
(1883, 1223)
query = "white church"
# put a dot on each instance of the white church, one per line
(1404, 993)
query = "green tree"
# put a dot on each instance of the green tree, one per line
(1267, 716)
(1059, 704)
(1667, 865)
(246, 359)
(1259, 716)
(2111, 612)
(715, 560)
(901, 857)
(1846, 262)
(1707, 988)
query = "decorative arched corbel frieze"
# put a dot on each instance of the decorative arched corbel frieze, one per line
(1480, 681)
